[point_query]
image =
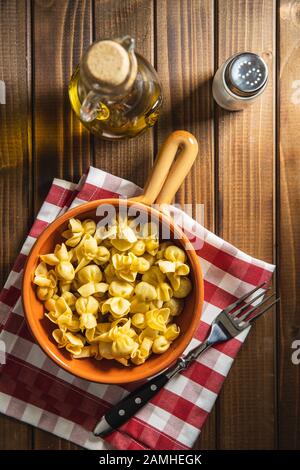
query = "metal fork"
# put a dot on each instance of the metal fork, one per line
(228, 324)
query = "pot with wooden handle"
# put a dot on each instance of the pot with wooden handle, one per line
(165, 179)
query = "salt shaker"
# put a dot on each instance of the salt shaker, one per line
(240, 80)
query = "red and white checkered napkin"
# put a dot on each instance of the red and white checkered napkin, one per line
(35, 390)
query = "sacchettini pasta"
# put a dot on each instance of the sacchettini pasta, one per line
(112, 294)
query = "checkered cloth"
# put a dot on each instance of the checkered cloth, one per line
(35, 390)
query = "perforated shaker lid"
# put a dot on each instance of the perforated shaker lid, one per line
(246, 74)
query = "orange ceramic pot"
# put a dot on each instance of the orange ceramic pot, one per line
(165, 179)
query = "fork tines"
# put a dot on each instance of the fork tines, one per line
(248, 314)
(236, 315)
(239, 301)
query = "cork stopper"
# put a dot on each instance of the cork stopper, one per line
(108, 62)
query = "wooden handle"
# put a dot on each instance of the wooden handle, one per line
(166, 177)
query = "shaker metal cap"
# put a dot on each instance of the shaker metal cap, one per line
(246, 74)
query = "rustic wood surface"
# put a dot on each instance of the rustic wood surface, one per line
(245, 171)
(247, 175)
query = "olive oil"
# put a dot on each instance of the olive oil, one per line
(114, 91)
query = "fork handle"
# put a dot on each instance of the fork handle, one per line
(130, 405)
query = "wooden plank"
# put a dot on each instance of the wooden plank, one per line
(62, 30)
(46, 441)
(289, 225)
(247, 416)
(130, 159)
(14, 435)
(185, 64)
(15, 164)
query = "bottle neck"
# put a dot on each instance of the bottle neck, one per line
(107, 74)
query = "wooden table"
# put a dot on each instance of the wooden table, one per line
(246, 174)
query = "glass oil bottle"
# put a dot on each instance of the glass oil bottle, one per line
(114, 91)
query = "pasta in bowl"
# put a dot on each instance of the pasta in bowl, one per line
(91, 293)
(111, 294)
